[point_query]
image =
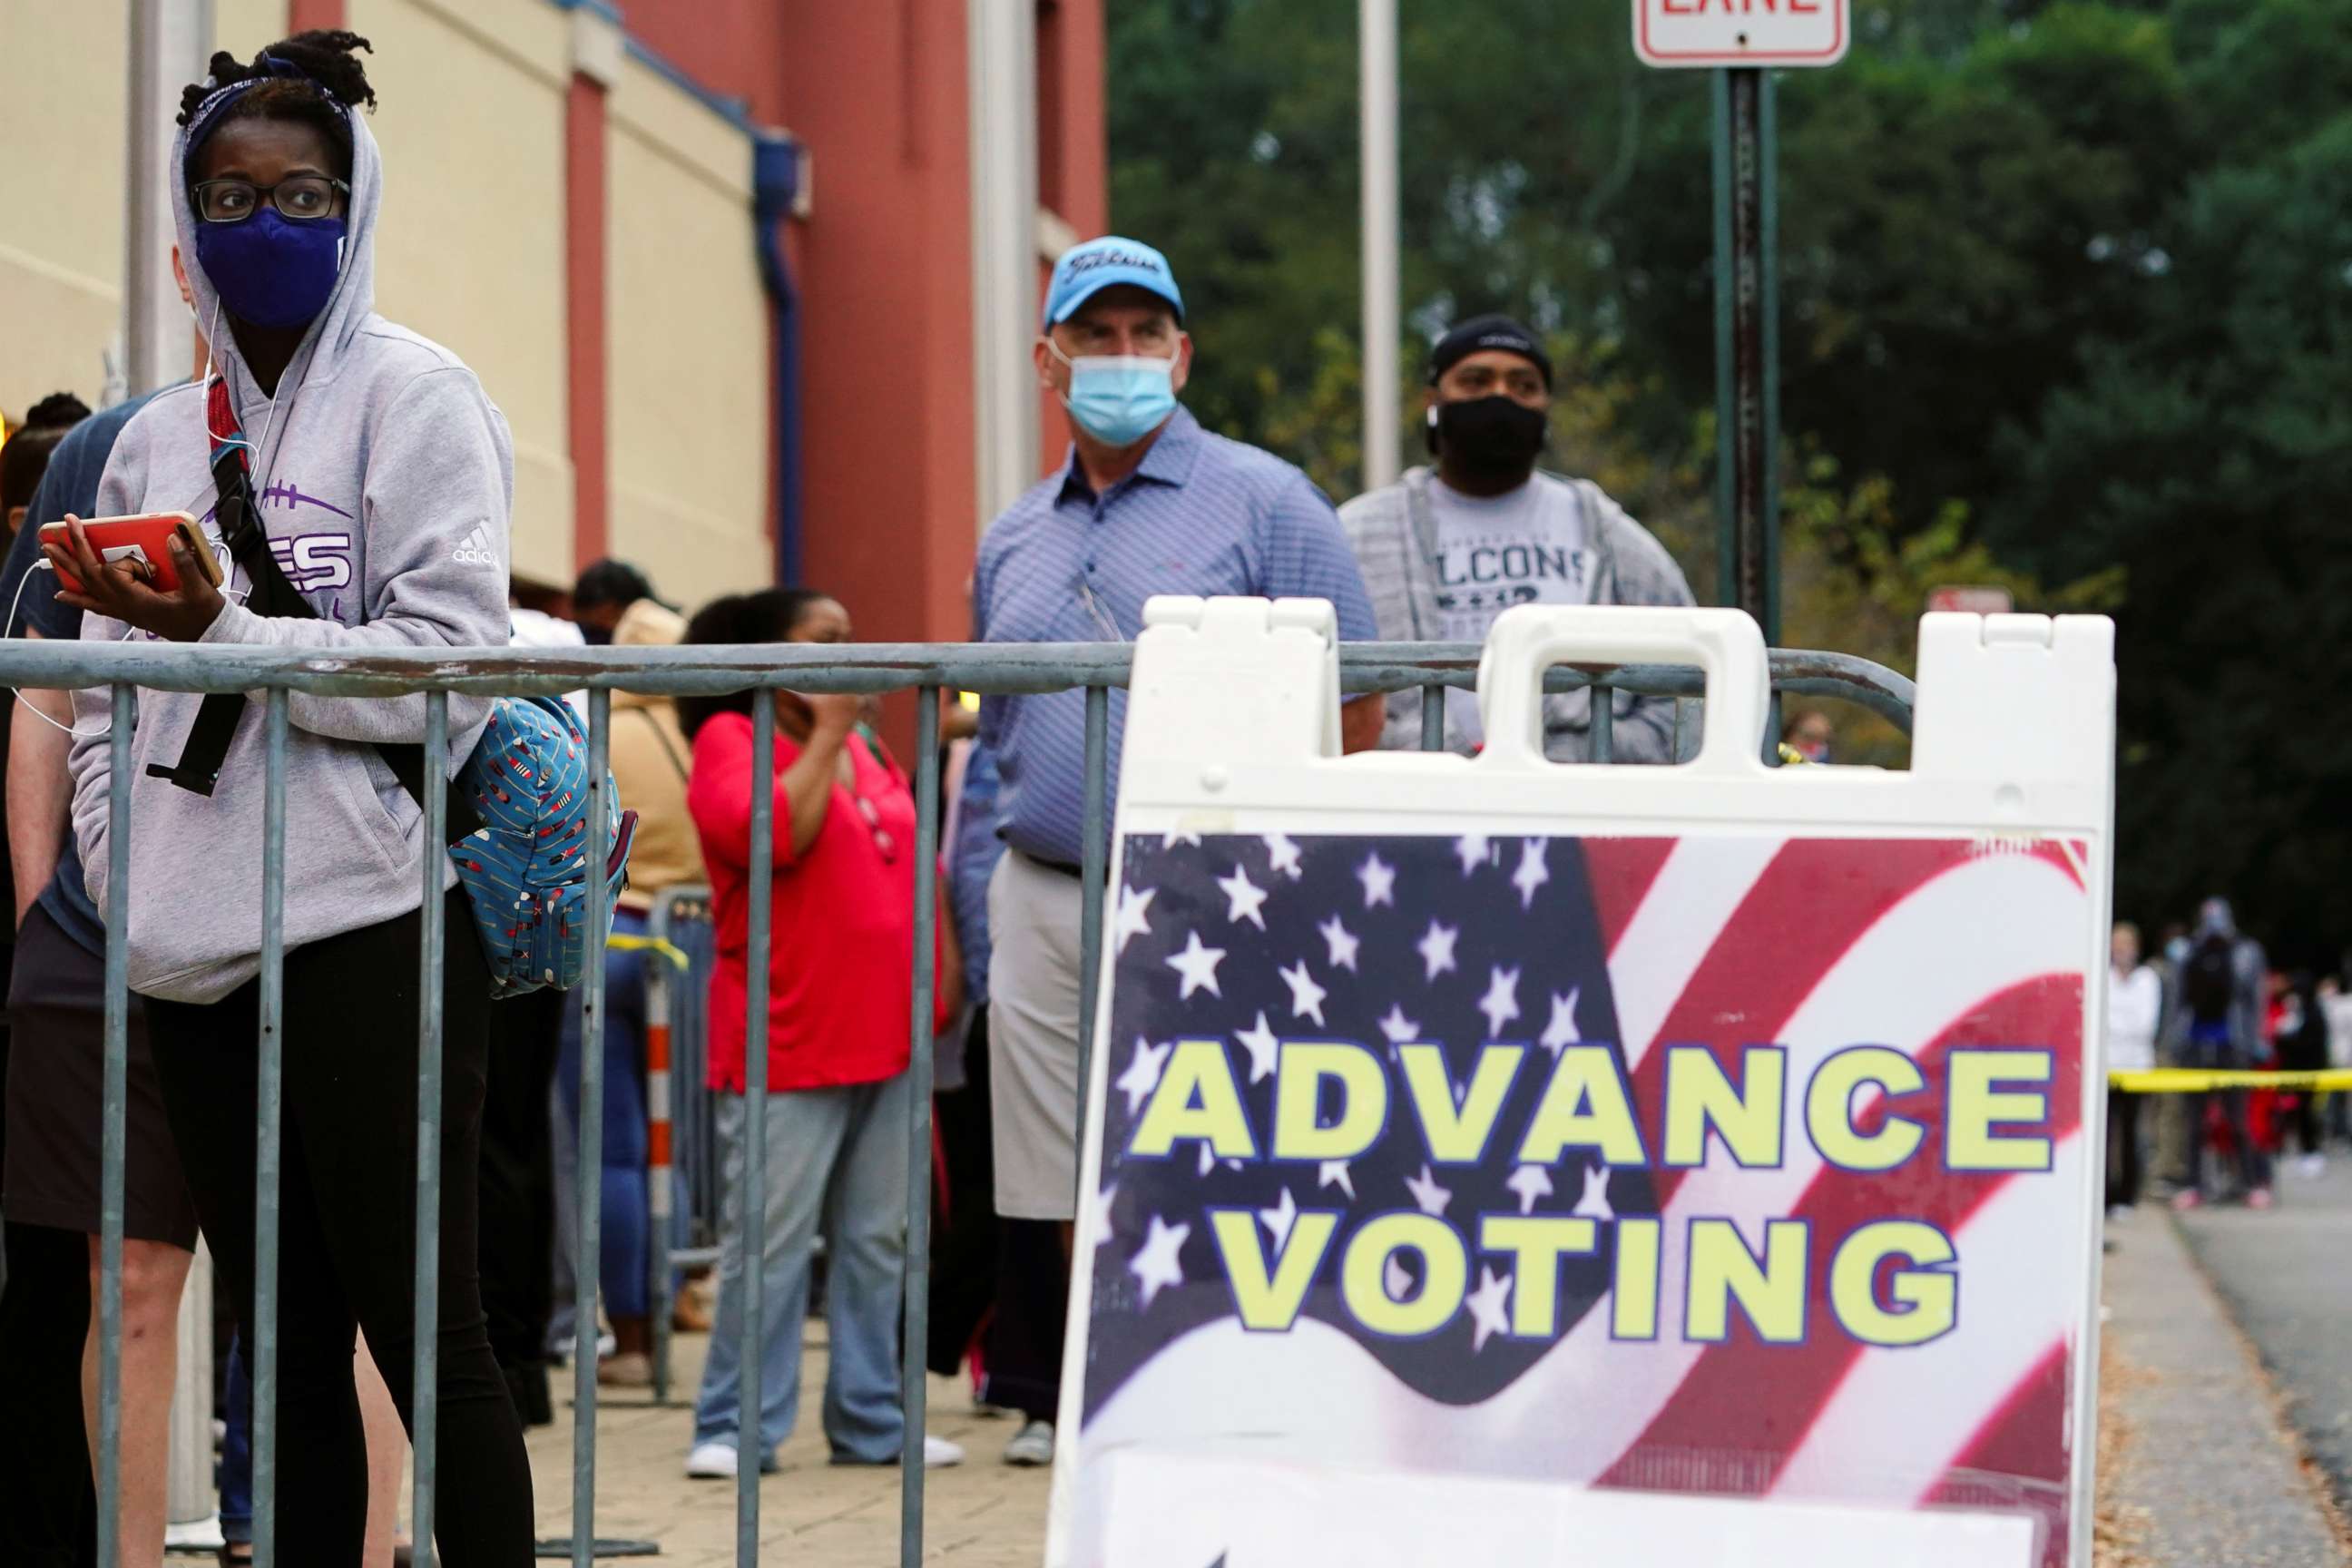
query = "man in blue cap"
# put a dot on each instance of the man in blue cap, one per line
(1148, 502)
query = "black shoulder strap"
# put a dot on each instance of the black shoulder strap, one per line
(198, 769)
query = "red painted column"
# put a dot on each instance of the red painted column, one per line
(303, 16)
(583, 274)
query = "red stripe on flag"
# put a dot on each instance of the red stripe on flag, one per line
(1620, 871)
(1748, 1397)
(2017, 1462)
(1812, 902)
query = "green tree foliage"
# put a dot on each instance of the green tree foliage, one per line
(2066, 305)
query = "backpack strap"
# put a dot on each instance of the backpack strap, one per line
(676, 761)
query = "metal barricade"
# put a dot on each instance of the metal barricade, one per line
(927, 668)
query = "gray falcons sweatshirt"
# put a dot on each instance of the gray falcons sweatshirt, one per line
(384, 483)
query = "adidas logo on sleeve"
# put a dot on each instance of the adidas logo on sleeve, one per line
(477, 549)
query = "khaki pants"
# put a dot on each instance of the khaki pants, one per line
(1034, 914)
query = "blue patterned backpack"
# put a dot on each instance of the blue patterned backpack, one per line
(532, 865)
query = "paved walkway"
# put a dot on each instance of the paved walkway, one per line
(2200, 1469)
(813, 1515)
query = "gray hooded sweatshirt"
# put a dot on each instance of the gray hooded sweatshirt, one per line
(384, 481)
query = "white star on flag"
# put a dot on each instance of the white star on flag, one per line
(1379, 878)
(1306, 996)
(1156, 1265)
(1561, 1032)
(1099, 1213)
(1427, 1195)
(1243, 898)
(1399, 1029)
(1132, 902)
(1334, 1173)
(1595, 1201)
(1176, 836)
(1395, 1280)
(1472, 850)
(1532, 872)
(1282, 855)
(1342, 942)
(1198, 965)
(1488, 1317)
(1279, 1219)
(1208, 1158)
(1143, 1070)
(1262, 1048)
(1437, 948)
(1530, 1181)
(1501, 1002)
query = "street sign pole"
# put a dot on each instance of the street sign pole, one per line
(1746, 346)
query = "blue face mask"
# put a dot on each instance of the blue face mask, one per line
(269, 271)
(1118, 399)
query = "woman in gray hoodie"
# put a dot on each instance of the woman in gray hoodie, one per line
(369, 464)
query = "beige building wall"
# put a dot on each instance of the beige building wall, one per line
(64, 80)
(470, 251)
(689, 337)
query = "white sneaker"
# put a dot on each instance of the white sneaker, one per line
(938, 1453)
(711, 1462)
(1032, 1445)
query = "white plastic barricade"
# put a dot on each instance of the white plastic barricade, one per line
(1492, 1159)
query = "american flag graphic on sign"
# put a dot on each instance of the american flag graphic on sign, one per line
(1454, 978)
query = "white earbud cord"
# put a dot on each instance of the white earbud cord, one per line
(235, 595)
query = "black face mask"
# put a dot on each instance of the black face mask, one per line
(1493, 438)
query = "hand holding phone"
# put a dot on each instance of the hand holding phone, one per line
(154, 573)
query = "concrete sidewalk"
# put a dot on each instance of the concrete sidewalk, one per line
(2200, 1468)
(981, 1514)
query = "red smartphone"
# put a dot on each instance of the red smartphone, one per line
(145, 539)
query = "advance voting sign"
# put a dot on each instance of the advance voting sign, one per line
(1582, 1166)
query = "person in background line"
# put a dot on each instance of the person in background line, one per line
(48, 1137)
(840, 962)
(2222, 983)
(2335, 1007)
(1808, 734)
(2302, 1046)
(2167, 1170)
(26, 457)
(56, 1073)
(1444, 552)
(648, 756)
(2135, 1000)
(1148, 502)
(405, 479)
(604, 593)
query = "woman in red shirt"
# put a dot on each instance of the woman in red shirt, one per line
(840, 960)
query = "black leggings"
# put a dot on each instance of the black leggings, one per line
(347, 1245)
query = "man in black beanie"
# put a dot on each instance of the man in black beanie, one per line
(1445, 552)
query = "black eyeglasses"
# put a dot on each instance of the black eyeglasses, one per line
(302, 198)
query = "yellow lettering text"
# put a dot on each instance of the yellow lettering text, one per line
(1584, 1107)
(1721, 1269)
(1458, 1137)
(1927, 1294)
(1196, 1099)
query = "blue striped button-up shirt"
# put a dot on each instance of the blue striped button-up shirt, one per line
(1200, 515)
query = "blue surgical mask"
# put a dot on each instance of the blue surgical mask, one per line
(269, 271)
(1118, 399)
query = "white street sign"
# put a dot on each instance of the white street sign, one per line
(1779, 33)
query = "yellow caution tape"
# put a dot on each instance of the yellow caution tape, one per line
(619, 942)
(2199, 1080)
